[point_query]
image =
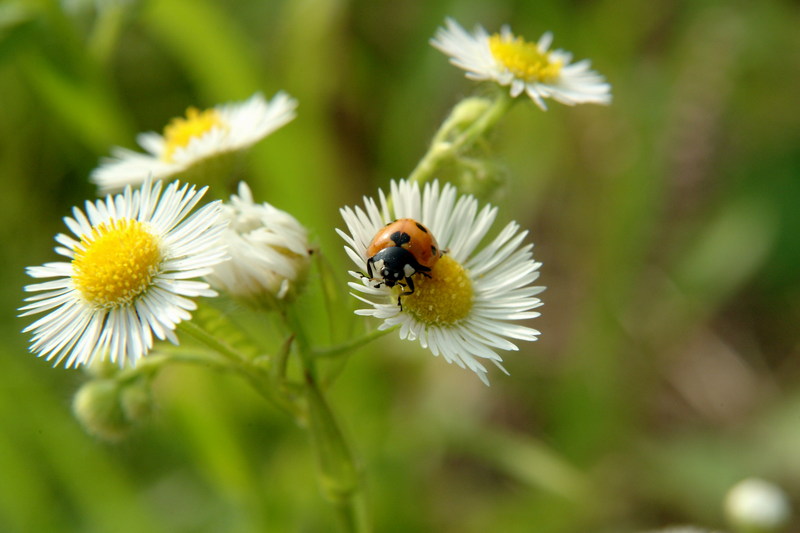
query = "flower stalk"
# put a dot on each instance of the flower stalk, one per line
(468, 122)
(340, 480)
(338, 475)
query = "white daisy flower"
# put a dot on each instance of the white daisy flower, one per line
(201, 137)
(524, 66)
(129, 275)
(466, 306)
(268, 248)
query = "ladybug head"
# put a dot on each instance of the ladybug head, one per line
(391, 276)
(394, 264)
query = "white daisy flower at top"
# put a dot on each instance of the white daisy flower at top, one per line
(524, 66)
(268, 248)
(198, 138)
(466, 307)
(129, 275)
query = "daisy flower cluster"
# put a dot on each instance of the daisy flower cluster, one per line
(136, 260)
(525, 67)
(437, 270)
(467, 308)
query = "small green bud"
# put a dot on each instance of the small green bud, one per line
(108, 409)
(480, 177)
(464, 114)
(136, 401)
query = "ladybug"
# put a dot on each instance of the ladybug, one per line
(400, 250)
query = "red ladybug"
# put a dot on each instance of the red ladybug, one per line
(400, 250)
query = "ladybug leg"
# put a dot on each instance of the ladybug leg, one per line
(419, 269)
(410, 283)
(369, 274)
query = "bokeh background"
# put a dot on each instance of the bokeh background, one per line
(667, 223)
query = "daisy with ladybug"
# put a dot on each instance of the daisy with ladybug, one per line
(462, 291)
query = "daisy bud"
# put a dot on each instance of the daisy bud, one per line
(268, 248)
(468, 111)
(757, 506)
(109, 409)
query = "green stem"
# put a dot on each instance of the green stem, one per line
(250, 371)
(330, 286)
(335, 352)
(151, 364)
(339, 477)
(438, 152)
(339, 349)
(212, 342)
(442, 149)
(485, 122)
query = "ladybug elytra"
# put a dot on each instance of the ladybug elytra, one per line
(399, 251)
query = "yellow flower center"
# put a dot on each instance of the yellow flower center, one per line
(180, 131)
(116, 262)
(524, 59)
(444, 298)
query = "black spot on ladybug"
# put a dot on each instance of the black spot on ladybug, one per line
(422, 228)
(400, 238)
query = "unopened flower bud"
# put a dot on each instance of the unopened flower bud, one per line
(268, 248)
(109, 409)
(757, 506)
(468, 111)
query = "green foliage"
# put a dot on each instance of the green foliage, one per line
(666, 223)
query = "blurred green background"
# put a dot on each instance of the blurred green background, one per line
(667, 223)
